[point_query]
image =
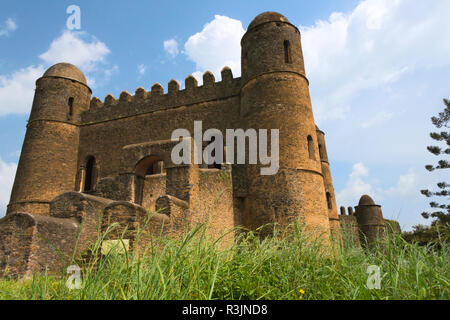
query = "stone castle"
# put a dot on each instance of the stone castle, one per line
(86, 163)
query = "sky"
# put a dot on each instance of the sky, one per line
(378, 71)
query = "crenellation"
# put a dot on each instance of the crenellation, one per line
(125, 97)
(95, 103)
(110, 100)
(140, 94)
(208, 79)
(173, 87)
(190, 83)
(156, 100)
(157, 90)
(227, 74)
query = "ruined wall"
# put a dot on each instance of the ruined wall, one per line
(154, 187)
(31, 243)
(214, 203)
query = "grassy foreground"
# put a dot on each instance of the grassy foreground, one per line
(289, 267)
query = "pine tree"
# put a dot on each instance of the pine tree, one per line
(441, 211)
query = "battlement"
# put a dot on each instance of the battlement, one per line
(155, 100)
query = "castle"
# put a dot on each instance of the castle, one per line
(85, 161)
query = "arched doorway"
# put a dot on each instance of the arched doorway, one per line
(149, 165)
(91, 174)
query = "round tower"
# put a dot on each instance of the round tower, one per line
(48, 161)
(370, 220)
(328, 182)
(275, 95)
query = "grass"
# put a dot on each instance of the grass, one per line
(282, 267)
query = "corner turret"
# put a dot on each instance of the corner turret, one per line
(48, 161)
(370, 220)
(275, 95)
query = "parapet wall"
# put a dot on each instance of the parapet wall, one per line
(352, 231)
(155, 100)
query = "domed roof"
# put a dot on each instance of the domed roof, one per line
(65, 70)
(366, 201)
(268, 16)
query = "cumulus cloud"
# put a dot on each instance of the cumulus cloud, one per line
(216, 46)
(141, 69)
(375, 45)
(8, 26)
(7, 173)
(77, 48)
(17, 90)
(171, 47)
(360, 183)
(401, 201)
(355, 187)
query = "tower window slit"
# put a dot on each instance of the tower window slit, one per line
(70, 105)
(287, 52)
(89, 179)
(330, 206)
(311, 150)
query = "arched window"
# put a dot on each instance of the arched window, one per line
(70, 106)
(320, 151)
(90, 174)
(311, 150)
(330, 205)
(287, 52)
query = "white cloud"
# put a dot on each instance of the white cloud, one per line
(360, 183)
(375, 45)
(77, 48)
(406, 186)
(9, 26)
(216, 46)
(17, 90)
(377, 119)
(7, 174)
(141, 69)
(355, 187)
(171, 47)
(401, 201)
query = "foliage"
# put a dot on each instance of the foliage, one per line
(286, 266)
(441, 212)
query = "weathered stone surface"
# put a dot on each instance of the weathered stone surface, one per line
(31, 243)
(86, 164)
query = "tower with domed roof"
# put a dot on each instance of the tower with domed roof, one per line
(275, 95)
(48, 161)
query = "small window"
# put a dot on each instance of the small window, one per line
(330, 206)
(320, 151)
(244, 61)
(70, 107)
(311, 150)
(287, 52)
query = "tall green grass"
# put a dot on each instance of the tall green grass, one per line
(286, 266)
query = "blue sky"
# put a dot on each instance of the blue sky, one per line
(378, 71)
